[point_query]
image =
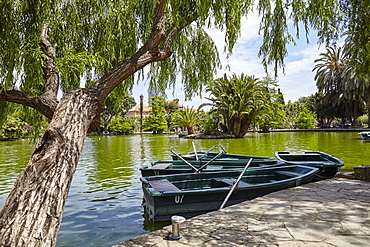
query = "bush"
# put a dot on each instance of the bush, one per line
(13, 127)
(306, 119)
(210, 127)
(121, 125)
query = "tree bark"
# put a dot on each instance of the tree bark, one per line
(33, 210)
(239, 126)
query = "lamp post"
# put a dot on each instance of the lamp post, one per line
(141, 113)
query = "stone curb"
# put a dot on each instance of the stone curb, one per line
(333, 212)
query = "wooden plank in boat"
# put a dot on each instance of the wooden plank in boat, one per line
(163, 185)
(232, 181)
(161, 165)
(214, 167)
(189, 155)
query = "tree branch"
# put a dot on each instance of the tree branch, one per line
(42, 104)
(51, 73)
(148, 53)
(158, 28)
(46, 103)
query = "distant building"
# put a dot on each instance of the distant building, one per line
(135, 111)
(176, 101)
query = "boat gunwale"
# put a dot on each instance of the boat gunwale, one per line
(330, 158)
(154, 193)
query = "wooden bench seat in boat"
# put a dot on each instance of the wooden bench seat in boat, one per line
(231, 181)
(163, 185)
(214, 167)
(161, 165)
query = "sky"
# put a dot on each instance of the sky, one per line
(296, 82)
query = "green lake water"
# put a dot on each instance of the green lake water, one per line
(104, 204)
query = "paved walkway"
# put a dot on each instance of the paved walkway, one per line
(334, 212)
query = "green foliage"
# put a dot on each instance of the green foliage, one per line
(292, 110)
(93, 36)
(356, 23)
(156, 121)
(13, 127)
(157, 124)
(171, 106)
(338, 80)
(211, 122)
(330, 71)
(187, 118)
(239, 99)
(326, 110)
(34, 119)
(274, 25)
(272, 115)
(363, 119)
(305, 120)
(158, 105)
(121, 125)
(115, 105)
(29, 120)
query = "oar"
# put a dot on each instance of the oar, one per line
(181, 158)
(195, 151)
(209, 162)
(209, 150)
(219, 144)
(236, 184)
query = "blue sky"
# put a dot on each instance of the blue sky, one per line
(297, 81)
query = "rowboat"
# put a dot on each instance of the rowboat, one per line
(179, 166)
(364, 135)
(222, 156)
(328, 164)
(192, 194)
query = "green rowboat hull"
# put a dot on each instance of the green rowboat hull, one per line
(328, 164)
(192, 194)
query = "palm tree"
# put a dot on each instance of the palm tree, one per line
(239, 100)
(330, 68)
(334, 78)
(187, 118)
(359, 87)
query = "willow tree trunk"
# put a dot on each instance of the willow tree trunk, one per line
(41, 189)
(33, 211)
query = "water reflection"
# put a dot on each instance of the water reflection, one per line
(104, 203)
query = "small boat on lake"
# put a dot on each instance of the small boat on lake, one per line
(364, 135)
(328, 164)
(222, 156)
(192, 194)
(179, 166)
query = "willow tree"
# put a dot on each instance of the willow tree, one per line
(48, 46)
